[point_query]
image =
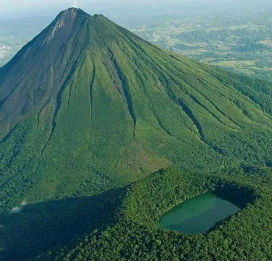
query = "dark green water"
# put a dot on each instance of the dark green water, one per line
(198, 215)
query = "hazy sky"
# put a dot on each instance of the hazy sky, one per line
(28, 6)
(124, 11)
(45, 7)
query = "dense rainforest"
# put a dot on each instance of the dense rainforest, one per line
(133, 232)
(89, 111)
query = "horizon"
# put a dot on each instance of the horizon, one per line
(20, 21)
(30, 8)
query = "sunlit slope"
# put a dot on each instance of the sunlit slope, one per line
(87, 106)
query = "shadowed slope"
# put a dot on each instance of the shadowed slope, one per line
(42, 226)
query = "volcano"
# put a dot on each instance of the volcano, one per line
(88, 106)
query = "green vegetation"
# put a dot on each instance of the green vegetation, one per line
(88, 108)
(115, 109)
(136, 236)
(49, 224)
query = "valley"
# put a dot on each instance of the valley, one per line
(239, 41)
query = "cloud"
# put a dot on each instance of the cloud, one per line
(75, 3)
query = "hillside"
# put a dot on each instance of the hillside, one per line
(134, 234)
(123, 224)
(87, 107)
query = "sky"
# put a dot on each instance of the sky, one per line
(20, 20)
(52, 7)
(127, 13)
(28, 7)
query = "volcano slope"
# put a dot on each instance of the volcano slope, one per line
(87, 106)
